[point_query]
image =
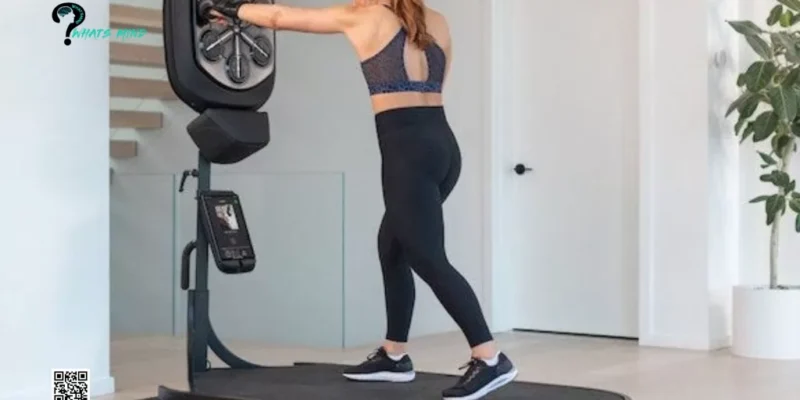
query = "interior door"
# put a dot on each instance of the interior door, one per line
(571, 112)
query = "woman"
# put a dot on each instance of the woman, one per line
(404, 48)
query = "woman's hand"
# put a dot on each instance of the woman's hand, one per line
(216, 17)
(226, 8)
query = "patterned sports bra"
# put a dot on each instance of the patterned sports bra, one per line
(386, 72)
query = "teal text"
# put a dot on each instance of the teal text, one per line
(93, 33)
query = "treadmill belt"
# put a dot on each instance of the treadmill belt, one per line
(324, 381)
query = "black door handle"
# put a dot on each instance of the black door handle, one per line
(521, 169)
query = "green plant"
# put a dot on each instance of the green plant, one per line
(769, 112)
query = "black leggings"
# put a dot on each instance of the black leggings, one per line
(421, 165)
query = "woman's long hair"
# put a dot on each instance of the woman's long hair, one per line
(412, 16)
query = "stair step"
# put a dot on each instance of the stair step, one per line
(141, 88)
(122, 149)
(136, 54)
(126, 17)
(136, 119)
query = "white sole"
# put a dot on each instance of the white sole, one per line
(398, 377)
(497, 383)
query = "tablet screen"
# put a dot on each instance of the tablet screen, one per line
(228, 228)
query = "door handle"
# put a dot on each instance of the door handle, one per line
(521, 169)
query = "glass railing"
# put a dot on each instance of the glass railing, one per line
(294, 297)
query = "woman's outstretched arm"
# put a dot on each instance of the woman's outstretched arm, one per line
(336, 19)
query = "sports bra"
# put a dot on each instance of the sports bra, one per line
(385, 72)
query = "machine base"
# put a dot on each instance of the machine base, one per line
(324, 381)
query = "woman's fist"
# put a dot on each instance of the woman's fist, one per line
(228, 8)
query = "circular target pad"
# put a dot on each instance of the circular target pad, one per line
(246, 52)
(261, 51)
(238, 68)
(211, 47)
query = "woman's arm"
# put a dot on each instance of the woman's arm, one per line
(336, 19)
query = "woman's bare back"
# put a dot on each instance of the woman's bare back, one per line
(380, 25)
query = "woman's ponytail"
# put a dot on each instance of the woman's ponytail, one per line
(412, 15)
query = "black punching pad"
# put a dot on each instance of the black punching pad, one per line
(225, 73)
(213, 66)
(227, 136)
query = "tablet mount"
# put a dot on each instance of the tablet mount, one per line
(221, 216)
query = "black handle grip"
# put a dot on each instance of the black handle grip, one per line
(186, 263)
(187, 173)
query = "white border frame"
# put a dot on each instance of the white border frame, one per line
(495, 50)
(646, 157)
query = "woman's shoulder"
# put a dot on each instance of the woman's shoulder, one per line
(437, 25)
(368, 8)
(432, 12)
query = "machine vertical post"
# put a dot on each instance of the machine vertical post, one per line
(199, 324)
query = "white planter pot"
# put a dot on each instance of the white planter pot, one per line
(766, 323)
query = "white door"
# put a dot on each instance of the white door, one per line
(570, 112)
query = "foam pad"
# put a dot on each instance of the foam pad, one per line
(201, 83)
(227, 136)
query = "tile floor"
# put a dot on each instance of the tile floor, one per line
(140, 364)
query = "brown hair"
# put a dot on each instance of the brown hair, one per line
(412, 16)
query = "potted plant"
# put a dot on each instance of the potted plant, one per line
(766, 319)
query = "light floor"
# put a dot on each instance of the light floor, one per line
(140, 364)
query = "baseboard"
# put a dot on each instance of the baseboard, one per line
(99, 387)
(684, 342)
(721, 343)
(586, 335)
(103, 386)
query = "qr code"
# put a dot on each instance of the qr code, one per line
(71, 384)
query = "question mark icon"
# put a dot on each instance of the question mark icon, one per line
(64, 9)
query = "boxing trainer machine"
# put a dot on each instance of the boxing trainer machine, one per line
(225, 73)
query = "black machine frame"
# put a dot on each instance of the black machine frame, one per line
(200, 334)
(229, 120)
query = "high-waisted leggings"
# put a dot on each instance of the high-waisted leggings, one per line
(421, 163)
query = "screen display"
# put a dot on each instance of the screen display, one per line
(229, 230)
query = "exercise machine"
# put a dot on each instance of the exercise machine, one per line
(226, 74)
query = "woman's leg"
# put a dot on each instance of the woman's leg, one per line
(486, 350)
(414, 211)
(390, 363)
(398, 289)
(397, 277)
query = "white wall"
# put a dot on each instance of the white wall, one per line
(754, 265)
(321, 127)
(699, 235)
(723, 169)
(688, 168)
(496, 279)
(54, 301)
(689, 174)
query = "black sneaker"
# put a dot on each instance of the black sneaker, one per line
(481, 379)
(380, 368)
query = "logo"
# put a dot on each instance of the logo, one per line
(76, 14)
(64, 10)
